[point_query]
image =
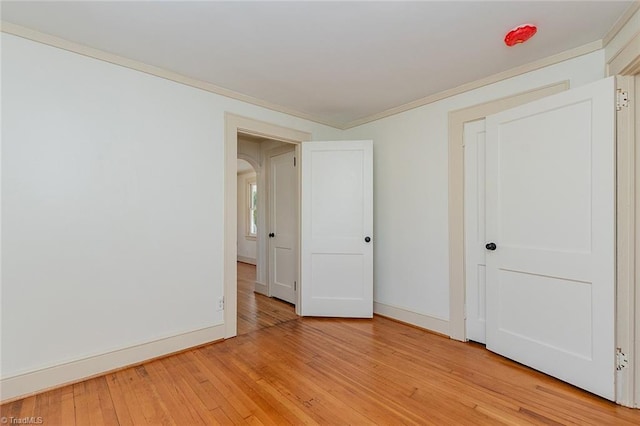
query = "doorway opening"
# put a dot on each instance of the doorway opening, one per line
(236, 128)
(337, 240)
(267, 232)
(255, 310)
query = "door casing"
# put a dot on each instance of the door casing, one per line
(234, 124)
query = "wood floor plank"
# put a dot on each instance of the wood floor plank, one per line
(186, 406)
(67, 406)
(81, 404)
(256, 311)
(273, 409)
(92, 403)
(488, 394)
(54, 416)
(195, 379)
(216, 392)
(28, 407)
(118, 397)
(13, 410)
(244, 399)
(153, 405)
(138, 404)
(289, 370)
(330, 354)
(41, 408)
(109, 413)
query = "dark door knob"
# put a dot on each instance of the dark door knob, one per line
(491, 246)
(367, 239)
(271, 235)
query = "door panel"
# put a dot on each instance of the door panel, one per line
(525, 296)
(342, 189)
(474, 214)
(284, 226)
(337, 216)
(550, 211)
(545, 167)
(349, 285)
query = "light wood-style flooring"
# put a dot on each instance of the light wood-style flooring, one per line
(256, 311)
(325, 371)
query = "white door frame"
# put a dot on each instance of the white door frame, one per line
(634, 370)
(626, 240)
(234, 124)
(622, 53)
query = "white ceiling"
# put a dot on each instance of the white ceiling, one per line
(335, 61)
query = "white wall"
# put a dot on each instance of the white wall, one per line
(112, 213)
(411, 194)
(112, 206)
(246, 245)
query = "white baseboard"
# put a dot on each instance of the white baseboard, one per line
(248, 260)
(428, 322)
(12, 388)
(261, 288)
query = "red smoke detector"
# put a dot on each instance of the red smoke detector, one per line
(520, 34)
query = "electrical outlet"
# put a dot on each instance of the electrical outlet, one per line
(221, 304)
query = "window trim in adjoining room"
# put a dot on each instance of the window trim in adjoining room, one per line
(250, 208)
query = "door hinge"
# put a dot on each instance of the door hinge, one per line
(622, 99)
(621, 359)
(295, 286)
(294, 161)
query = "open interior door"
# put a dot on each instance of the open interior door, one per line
(337, 225)
(283, 207)
(550, 188)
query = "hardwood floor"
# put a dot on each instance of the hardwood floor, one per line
(325, 371)
(256, 311)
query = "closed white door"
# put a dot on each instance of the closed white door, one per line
(474, 229)
(337, 229)
(283, 229)
(550, 213)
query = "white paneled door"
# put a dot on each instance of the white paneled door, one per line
(474, 229)
(337, 229)
(283, 229)
(550, 235)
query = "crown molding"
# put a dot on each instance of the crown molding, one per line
(504, 75)
(28, 33)
(81, 49)
(620, 23)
